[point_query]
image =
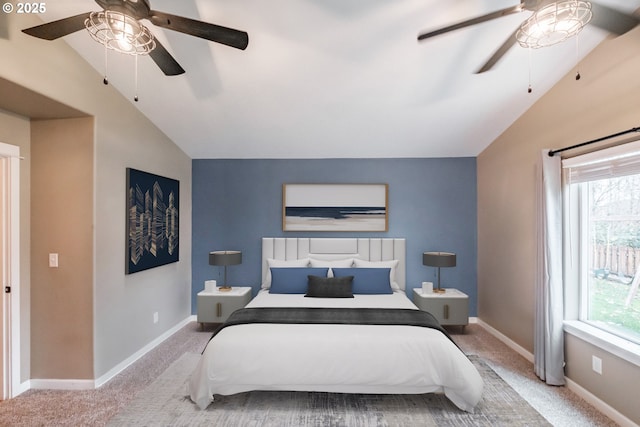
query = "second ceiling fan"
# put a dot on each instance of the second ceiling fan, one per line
(551, 22)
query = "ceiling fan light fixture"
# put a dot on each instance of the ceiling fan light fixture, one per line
(554, 23)
(120, 32)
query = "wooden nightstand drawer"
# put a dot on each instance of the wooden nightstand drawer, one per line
(216, 306)
(450, 307)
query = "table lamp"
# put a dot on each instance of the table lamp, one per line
(225, 258)
(439, 259)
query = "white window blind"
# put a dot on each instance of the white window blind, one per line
(611, 162)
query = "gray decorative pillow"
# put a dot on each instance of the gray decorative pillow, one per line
(330, 287)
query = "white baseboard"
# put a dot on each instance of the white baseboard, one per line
(137, 355)
(60, 384)
(508, 341)
(53, 384)
(22, 388)
(594, 401)
(599, 404)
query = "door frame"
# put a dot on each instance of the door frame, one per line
(10, 223)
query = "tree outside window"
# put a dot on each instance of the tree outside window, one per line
(613, 239)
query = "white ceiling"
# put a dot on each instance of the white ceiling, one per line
(336, 78)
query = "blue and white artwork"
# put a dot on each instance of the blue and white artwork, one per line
(335, 207)
(153, 207)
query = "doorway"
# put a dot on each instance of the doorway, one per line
(10, 269)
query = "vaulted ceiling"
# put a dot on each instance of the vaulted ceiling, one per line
(336, 78)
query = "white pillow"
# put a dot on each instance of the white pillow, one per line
(280, 263)
(338, 263)
(330, 257)
(392, 264)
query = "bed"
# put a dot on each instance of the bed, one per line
(333, 355)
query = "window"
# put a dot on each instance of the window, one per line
(603, 207)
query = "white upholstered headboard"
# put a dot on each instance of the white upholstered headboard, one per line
(370, 249)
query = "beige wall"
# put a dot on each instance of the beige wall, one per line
(62, 223)
(618, 382)
(603, 102)
(122, 305)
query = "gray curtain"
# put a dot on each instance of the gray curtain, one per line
(549, 310)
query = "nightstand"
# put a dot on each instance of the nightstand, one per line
(215, 306)
(450, 307)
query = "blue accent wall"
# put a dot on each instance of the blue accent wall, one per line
(432, 203)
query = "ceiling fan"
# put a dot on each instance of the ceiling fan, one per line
(118, 27)
(546, 13)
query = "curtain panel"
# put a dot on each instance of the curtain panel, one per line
(549, 305)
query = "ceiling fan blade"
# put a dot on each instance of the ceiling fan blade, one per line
(493, 15)
(498, 54)
(215, 33)
(613, 21)
(57, 29)
(165, 61)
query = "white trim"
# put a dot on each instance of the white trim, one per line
(11, 302)
(49, 384)
(606, 341)
(22, 387)
(594, 401)
(506, 340)
(56, 384)
(599, 404)
(144, 350)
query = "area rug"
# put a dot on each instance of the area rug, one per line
(165, 403)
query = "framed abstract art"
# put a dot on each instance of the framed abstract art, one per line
(335, 207)
(153, 208)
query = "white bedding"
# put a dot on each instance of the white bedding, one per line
(334, 358)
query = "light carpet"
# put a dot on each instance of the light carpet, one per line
(165, 403)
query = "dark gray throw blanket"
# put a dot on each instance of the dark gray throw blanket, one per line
(333, 316)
